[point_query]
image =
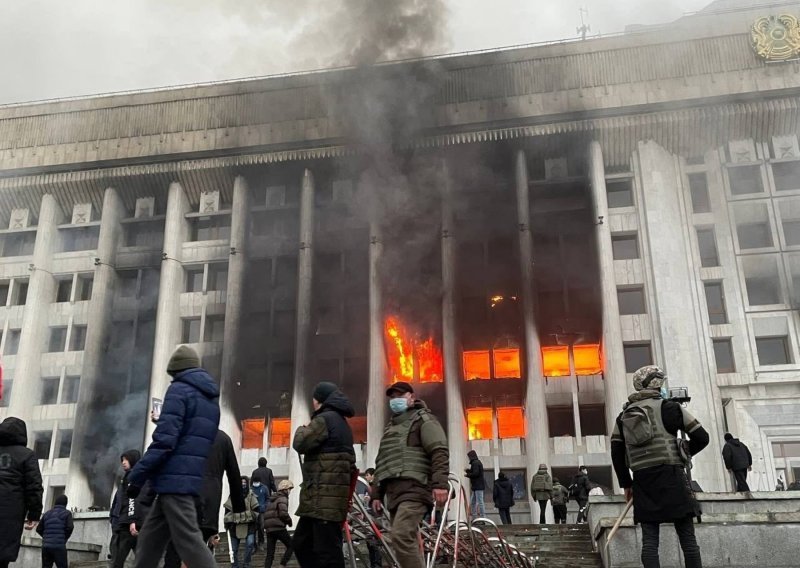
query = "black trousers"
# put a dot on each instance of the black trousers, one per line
(741, 479)
(374, 551)
(272, 541)
(685, 530)
(542, 510)
(582, 503)
(505, 515)
(125, 543)
(57, 556)
(318, 544)
(560, 513)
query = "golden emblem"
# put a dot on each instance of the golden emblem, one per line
(777, 38)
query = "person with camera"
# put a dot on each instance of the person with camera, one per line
(645, 440)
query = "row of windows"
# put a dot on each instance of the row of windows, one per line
(58, 338)
(211, 329)
(15, 295)
(68, 389)
(43, 443)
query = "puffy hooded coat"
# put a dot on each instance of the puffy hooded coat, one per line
(56, 525)
(503, 492)
(20, 486)
(175, 461)
(329, 460)
(475, 472)
(736, 455)
(132, 510)
(277, 517)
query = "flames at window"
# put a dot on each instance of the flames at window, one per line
(412, 357)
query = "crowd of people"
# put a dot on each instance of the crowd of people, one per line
(167, 502)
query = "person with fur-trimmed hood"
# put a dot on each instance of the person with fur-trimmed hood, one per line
(276, 519)
(645, 441)
(242, 526)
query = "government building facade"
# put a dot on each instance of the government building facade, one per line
(513, 232)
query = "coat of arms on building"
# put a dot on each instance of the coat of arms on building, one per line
(777, 38)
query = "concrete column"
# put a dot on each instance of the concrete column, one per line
(301, 397)
(376, 402)
(240, 214)
(537, 435)
(573, 386)
(41, 293)
(456, 419)
(176, 232)
(615, 380)
(100, 310)
(677, 297)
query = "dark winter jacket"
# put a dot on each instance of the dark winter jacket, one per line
(326, 445)
(475, 472)
(56, 527)
(277, 517)
(262, 494)
(132, 510)
(661, 493)
(221, 461)
(579, 489)
(503, 493)
(20, 486)
(264, 476)
(245, 522)
(736, 455)
(175, 461)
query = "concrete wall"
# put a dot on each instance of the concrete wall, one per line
(89, 541)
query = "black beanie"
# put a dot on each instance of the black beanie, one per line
(62, 500)
(728, 436)
(323, 390)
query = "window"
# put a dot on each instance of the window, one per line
(127, 282)
(593, 419)
(791, 232)
(7, 386)
(18, 244)
(64, 290)
(631, 301)
(4, 288)
(745, 179)
(773, 350)
(510, 422)
(217, 277)
(561, 421)
(69, 394)
(479, 422)
(723, 355)
(64, 444)
(637, 355)
(763, 290)
(754, 235)
(253, 434)
(76, 239)
(715, 301)
(85, 286)
(216, 227)
(620, 193)
(506, 364)
(194, 279)
(49, 390)
(555, 361)
(215, 329)
(586, 358)
(476, 365)
(12, 341)
(283, 324)
(191, 330)
(41, 444)
(20, 295)
(276, 196)
(787, 175)
(624, 247)
(280, 432)
(707, 243)
(58, 339)
(77, 341)
(698, 187)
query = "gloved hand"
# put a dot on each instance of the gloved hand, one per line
(133, 491)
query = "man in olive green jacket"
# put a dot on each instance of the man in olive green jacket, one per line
(326, 445)
(411, 471)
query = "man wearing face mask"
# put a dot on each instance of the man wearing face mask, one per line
(411, 471)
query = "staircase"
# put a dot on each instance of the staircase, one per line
(554, 546)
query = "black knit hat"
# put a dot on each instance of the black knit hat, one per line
(323, 390)
(184, 358)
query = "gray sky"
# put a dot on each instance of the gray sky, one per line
(61, 48)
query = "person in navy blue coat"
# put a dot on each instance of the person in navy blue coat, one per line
(175, 462)
(55, 529)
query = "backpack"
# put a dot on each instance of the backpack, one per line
(539, 482)
(637, 425)
(558, 495)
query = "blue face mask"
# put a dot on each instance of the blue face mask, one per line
(398, 405)
(664, 392)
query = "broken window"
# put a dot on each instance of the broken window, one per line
(280, 432)
(476, 365)
(561, 421)
(506, 364)
(510, 422)
(479, 421)
(555, 361)
(253, 434)
(587, 359)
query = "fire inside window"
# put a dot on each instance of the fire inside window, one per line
(478, 364)
(280, 432)
(358, 424)
(253, 434)
(412, 358)
(479, 421)
(510, 422)
(555, 360)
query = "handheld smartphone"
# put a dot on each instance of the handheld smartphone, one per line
(157, 404)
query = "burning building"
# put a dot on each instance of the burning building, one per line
(529, 227)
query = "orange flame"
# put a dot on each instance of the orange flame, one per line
(410, 359)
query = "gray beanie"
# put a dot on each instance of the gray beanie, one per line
(183, 358)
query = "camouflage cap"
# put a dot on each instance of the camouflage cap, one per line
(642, 374)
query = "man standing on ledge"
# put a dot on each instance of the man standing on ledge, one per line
(411, 471)
(738, 460)
(645, 439)
(175, 462)
(326, 449)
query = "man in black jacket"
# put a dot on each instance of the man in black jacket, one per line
(20, 488)
(645, 439)
(579, 490)
(503, 494)
(738, 460)
(131, 513)
(478, 484)
(262, 475)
